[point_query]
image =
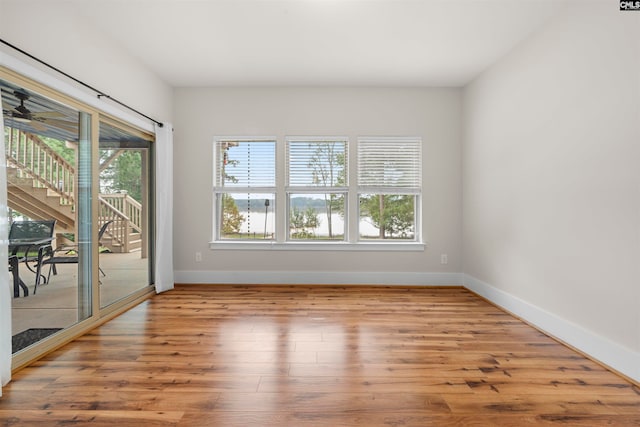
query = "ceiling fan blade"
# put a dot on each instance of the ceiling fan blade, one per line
(37, 126)
(74, 131)
(57, 122)
(7, 106)
(60, 124)
(47, 114)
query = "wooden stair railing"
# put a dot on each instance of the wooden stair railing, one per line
(127, 205)
(126, 214)
(36, 160)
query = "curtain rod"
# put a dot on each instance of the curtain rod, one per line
(100, 93)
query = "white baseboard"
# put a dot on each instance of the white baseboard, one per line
(617, 357)
(319, 278)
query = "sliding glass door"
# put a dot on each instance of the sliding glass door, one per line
(79, 187)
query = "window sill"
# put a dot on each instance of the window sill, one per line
(319, 246)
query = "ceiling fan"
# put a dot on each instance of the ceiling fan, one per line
(22, 114)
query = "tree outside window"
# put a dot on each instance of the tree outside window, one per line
(317, 185)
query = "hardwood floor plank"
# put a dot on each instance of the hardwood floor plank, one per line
(163, 382)
(317, 356)
(92, 400)
(92, 418)
(358, 371)
(331, 402)
(436, 358)
(225, 368)
(368, 385)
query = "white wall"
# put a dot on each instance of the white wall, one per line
(202, 114)
(55, 33)
(551, 182)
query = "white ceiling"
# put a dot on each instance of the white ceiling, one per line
(318, 42)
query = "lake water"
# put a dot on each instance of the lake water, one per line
(255, 223)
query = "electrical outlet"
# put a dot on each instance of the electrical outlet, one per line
(444, 259)
(198, 256)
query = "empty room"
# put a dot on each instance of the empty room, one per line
(320, 212)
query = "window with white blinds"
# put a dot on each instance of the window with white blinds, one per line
(393, 164)
(245, 163)
(245, 189)
(389, 187)
(317, 189)
(317, 162)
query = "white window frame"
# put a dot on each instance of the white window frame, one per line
(218, 190)
(282, 190)
(415, 189)
(316, 189)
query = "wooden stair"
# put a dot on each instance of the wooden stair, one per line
(133, 244)
(36, 202)
(41, 185)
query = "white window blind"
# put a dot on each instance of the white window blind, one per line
(317, 163)
(245, 164)
(390, 163)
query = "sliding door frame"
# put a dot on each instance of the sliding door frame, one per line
(98, 315)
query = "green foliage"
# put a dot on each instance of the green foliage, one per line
(328, 169)
(227, 162)
(60, 147)
(393, 215)
(124, 173)
(303, 223)
(231, 218)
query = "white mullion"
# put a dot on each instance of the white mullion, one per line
(281, 209)
(352, 210)
(244, 189)
(316, 189)
(388, 190)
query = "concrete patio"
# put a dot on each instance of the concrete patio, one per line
(55, 305)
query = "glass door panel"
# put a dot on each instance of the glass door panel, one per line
(48, 147)
(123, 211)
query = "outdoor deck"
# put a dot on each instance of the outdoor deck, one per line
(55, 305)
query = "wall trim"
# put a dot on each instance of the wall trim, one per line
(319, 278)
(619, 358)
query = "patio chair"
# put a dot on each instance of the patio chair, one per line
(30, 242)
(17, 282)
(71, 252)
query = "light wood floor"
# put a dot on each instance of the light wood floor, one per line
(317, 356)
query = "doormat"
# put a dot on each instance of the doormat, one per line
(25, 338)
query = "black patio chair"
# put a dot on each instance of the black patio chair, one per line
(70, 254)
(30, 243)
